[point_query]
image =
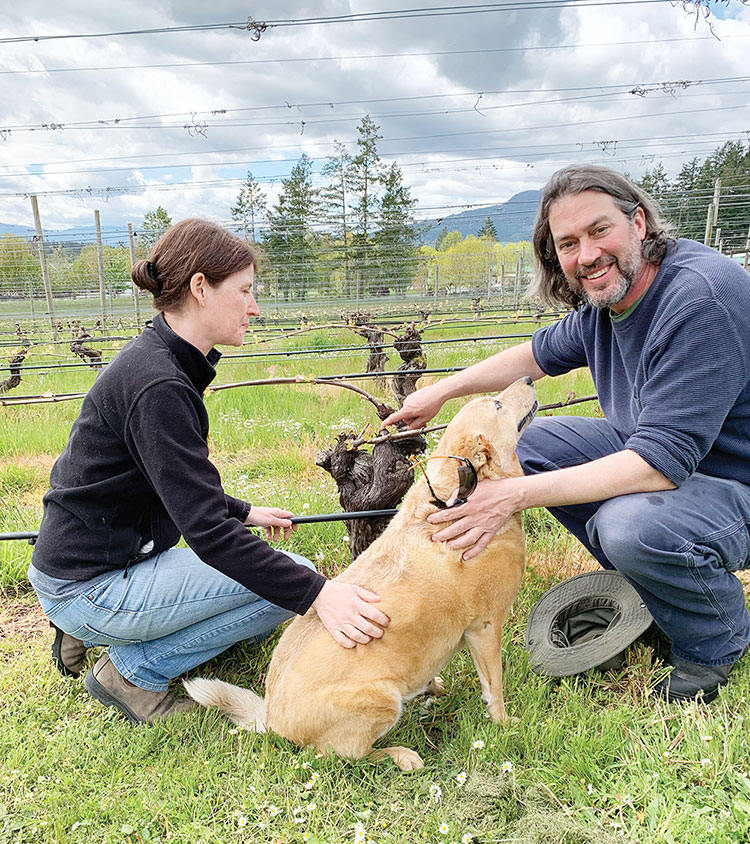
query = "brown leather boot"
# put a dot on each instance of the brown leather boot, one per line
(105, 683)
(68, 653)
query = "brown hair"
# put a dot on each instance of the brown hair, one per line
(189, 247)
(549, 284)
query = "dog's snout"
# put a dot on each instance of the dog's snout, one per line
(527, 380)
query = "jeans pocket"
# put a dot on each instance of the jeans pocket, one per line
(733, 548)
(91, 635)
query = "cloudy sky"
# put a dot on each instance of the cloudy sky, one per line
(475, 102)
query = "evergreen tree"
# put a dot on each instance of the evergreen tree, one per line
(291, 240)
(250, 207)
(731, 164)
(656, 183)
(685, 206)
(488, 230)
(685, 200)
(441, 237)
(154, 224)
(366, 174)
(335, 203)
(396, 242)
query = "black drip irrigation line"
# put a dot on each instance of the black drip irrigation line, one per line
(31, 536)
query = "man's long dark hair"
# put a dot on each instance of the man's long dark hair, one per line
(549, 284)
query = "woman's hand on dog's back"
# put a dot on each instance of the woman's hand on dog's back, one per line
(418, 408)
(346, 611)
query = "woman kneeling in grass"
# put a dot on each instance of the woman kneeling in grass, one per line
(136, 475)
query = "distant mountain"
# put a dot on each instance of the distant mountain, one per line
(23, 231)
(111, 235)
(513, 220)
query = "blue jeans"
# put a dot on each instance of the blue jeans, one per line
(171, 613)
(677, 548)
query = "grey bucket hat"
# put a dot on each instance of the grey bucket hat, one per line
(585, 622)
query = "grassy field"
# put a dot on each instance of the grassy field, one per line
(586, 759)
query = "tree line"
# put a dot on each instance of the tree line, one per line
(684, 199)
(356, 234)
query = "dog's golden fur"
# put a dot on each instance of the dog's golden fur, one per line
(332, 698)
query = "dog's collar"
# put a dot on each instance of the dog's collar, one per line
(467, 480)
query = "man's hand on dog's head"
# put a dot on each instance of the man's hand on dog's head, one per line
(474, 524)
(348, 614)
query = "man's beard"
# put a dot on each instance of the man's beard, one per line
(628, 267)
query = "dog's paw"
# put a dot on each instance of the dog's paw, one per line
(436, 687)
(497, 713)
(405, 759)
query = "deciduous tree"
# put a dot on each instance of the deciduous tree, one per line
(154, 224)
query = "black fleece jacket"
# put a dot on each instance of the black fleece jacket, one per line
(136, 468)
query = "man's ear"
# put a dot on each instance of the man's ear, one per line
(639, 221)
(198, 286)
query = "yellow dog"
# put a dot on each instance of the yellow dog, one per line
(343, 700)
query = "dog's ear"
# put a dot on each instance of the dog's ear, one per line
(482, 451)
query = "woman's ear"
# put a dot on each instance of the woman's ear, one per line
(198, 285)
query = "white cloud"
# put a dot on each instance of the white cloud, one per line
(457, 149)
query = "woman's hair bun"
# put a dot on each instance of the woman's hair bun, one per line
(143, 278)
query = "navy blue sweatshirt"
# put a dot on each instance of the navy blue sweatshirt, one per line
(673, 376)
(136, 468)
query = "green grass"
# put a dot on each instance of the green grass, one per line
(587, 759)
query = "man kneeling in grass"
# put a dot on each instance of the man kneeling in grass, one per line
(660, 488)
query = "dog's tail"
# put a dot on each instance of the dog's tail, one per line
(243, 707)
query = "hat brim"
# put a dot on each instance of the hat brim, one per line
(632, 618)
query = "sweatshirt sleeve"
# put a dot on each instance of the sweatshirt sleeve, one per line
(164, 435)
(237, 508)
(559, 348)
(696, 371)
